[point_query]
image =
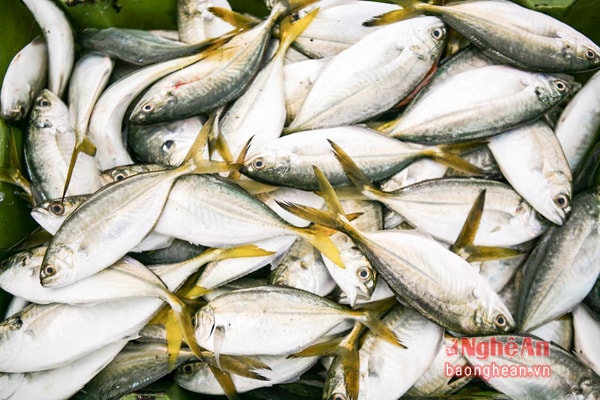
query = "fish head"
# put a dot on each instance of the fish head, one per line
(525, 215)
(25, 263)
(559, 198)
(204, 326)
(51, 213)
(15, 112)
(46, 107)
(430, 37)
(187, 374)
(586, 54)
(495, 318)
(151, 109)
(57, 268)
(551, 89)
(266, 166)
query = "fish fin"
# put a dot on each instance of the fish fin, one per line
(369, 315)
(291, 30)
(410, 8)
(174, 337)
(84, 146)
(350, 360)
(196, 158)
(326, 348)
(233, 18)
(354, 174)
(12, 174)
(243, 366)
(225, 381)
(254, 187)
(486, 253)
(319, 237)
(467, 234)
(183, 317)
(218, 340)
(452, 160)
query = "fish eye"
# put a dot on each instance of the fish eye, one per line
(437, 33)
(187, 369)
(119, 176)
(590, 54)
(147, 107)
(500, 321)
(338, 396)
(43, 102)
(15, 323)
(561, 86)
(49, 270)
(364, 273)
(168, 144)
(258, 163)
(562, 200)
(57, 208)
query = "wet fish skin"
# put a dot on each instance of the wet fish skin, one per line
(453, 111)
(59, 38)
(24, 78)
(196, 23)
(532, 160)
(563, 266)
(568, 378)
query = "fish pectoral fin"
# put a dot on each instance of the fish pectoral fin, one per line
(218, 340)
(244, 366)
(326, 348)
(470, 227)
(174, 337)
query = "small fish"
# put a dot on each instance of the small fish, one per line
(372, 75)
(547, 44)
(532, 161)
(586, 327)
(24, 79)
(563, 266)
(139, 47)
(479, 103)
(59, 38)
(280, 320)
(559, 374)
(579, 121)
(411, 265)
(48, 147)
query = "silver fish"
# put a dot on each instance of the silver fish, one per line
(59, 37)
(563, 266)
(24, 78)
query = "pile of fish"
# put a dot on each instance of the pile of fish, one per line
(392, 190)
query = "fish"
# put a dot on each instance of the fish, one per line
(479, 103)
(259, 113)
(285, 319)
(557, 374)
(372, 75)
(533, 162)
(105, 124)
(410, 262)
(24, 79)
(139, 47)
(426, 205)
(63, 382)
(548, 44)
(89, 78)
(48, 149)
(585, 326)
(288, 161)
(562, 268)
(86, 243)
(59, 39)
(579, 121)
(177, 98)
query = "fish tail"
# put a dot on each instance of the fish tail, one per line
(225, 381)
(442, 155)
(242, 366)
(195, 162)
(290, 31)
(84, 146)
(174, 336)
(319, 237)
(370, 316)
(238, 20)
(12, 174)
(326, 348)
(410, 8)
(183, 318)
